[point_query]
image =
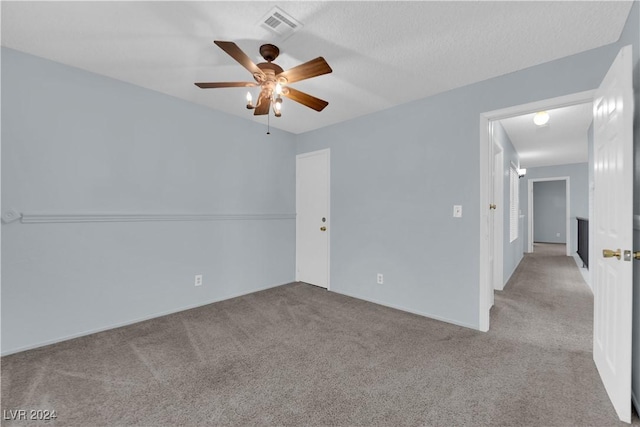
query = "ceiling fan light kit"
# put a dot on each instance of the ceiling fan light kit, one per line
(272, 79)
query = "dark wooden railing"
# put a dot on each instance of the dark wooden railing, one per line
(583, 240)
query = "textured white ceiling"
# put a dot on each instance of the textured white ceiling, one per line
(382, 53)
(562, 140)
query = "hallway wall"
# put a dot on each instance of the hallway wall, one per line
(512, 251)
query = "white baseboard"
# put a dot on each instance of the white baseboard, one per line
(583, 271)
(131, 322)
(511, 274)
(636, 402)
(409, 310)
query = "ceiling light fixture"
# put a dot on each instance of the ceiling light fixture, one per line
(271, 93)
(541, 118)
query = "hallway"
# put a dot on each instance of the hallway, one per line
(547, 307)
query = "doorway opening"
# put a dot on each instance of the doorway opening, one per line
(549, 207)
(489, 258)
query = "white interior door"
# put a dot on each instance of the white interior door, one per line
(498, 217)
(312, 218)
(613, 230)
(491, 227)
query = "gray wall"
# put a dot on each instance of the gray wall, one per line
(396, 174)
(578, 194)
(512, 251)
(550, 211)
(78, 143)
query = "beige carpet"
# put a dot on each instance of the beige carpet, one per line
(299, 355)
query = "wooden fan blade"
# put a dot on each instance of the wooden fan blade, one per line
(315, 67)
(305, 99)
(225, 84)
(262, 108)
(236, 53)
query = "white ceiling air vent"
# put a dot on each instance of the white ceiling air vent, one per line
(280, 23)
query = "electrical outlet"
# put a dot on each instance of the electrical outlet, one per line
(380, 279)
(198, 281)
(557, 234)
(457, 211)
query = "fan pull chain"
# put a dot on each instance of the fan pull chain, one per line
(268, 122)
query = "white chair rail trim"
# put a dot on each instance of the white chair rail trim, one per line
(45, 218)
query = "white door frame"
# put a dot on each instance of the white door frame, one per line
(485, 163)
(567, 206)
(308, 154)
(498, 217)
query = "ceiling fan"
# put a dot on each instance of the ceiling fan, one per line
(272, 79)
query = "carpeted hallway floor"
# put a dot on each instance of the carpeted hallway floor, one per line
(299, 355)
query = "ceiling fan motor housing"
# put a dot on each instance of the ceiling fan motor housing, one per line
(269, 52)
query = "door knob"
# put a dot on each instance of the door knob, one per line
(492, 206)
(636, 255)
(323, 228)
(608, 253)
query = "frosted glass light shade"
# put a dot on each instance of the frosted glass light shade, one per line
(541, 118)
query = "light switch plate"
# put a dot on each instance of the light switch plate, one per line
(457, 211)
